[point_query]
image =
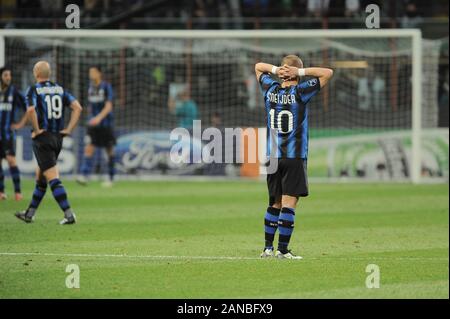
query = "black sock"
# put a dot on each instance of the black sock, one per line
(111, 167)
(270, 225)
(38, 195)
(286, 227)
(60, 195)
(15, 175)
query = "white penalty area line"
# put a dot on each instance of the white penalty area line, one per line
(333, 258)
(126, 256)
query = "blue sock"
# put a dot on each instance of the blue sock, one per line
(60, 195)
(2, 179)
(111, 167)
(86, 168)
(270, 225)
(286, 227)
(15, 175)
(38, 195)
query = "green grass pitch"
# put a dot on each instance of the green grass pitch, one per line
(167, 239)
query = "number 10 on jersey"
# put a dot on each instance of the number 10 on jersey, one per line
(282, 121)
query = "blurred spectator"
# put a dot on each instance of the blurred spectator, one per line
(218, 168)
(379, 92)
(364, 93)
(92, 9)
(316, 8)
(199, 14)
(216, 120)
(204, 9)
(352, 8)
(51, 8)
(184, 108)
(234, 8)
(412, 17)
(378, 88)
(226, 14)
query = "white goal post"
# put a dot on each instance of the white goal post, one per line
(414, 35)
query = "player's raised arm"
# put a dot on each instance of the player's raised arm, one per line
(74, 117)
(261, 68)
(323, 74)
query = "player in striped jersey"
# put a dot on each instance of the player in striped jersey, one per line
(100, 126)
(46, 102)
(11, 101)
(286, 104)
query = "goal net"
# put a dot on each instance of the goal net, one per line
(376, 120)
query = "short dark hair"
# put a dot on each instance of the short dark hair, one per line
(96, 66)
(3, 69)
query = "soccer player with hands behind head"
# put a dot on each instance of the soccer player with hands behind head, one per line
(286, 106)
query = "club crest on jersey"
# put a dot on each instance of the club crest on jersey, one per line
(96, 97)
(312, 82)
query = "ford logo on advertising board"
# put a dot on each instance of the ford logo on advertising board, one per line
(149, 152)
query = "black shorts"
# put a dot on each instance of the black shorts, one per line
(7, 147)
(290, 179)
(46, 149)
(101, 136)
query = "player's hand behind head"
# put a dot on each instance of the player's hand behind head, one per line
(287, 72)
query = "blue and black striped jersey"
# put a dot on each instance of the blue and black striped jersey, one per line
(11, 101)
(97, 97)
(287, 116)
(50, 100)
